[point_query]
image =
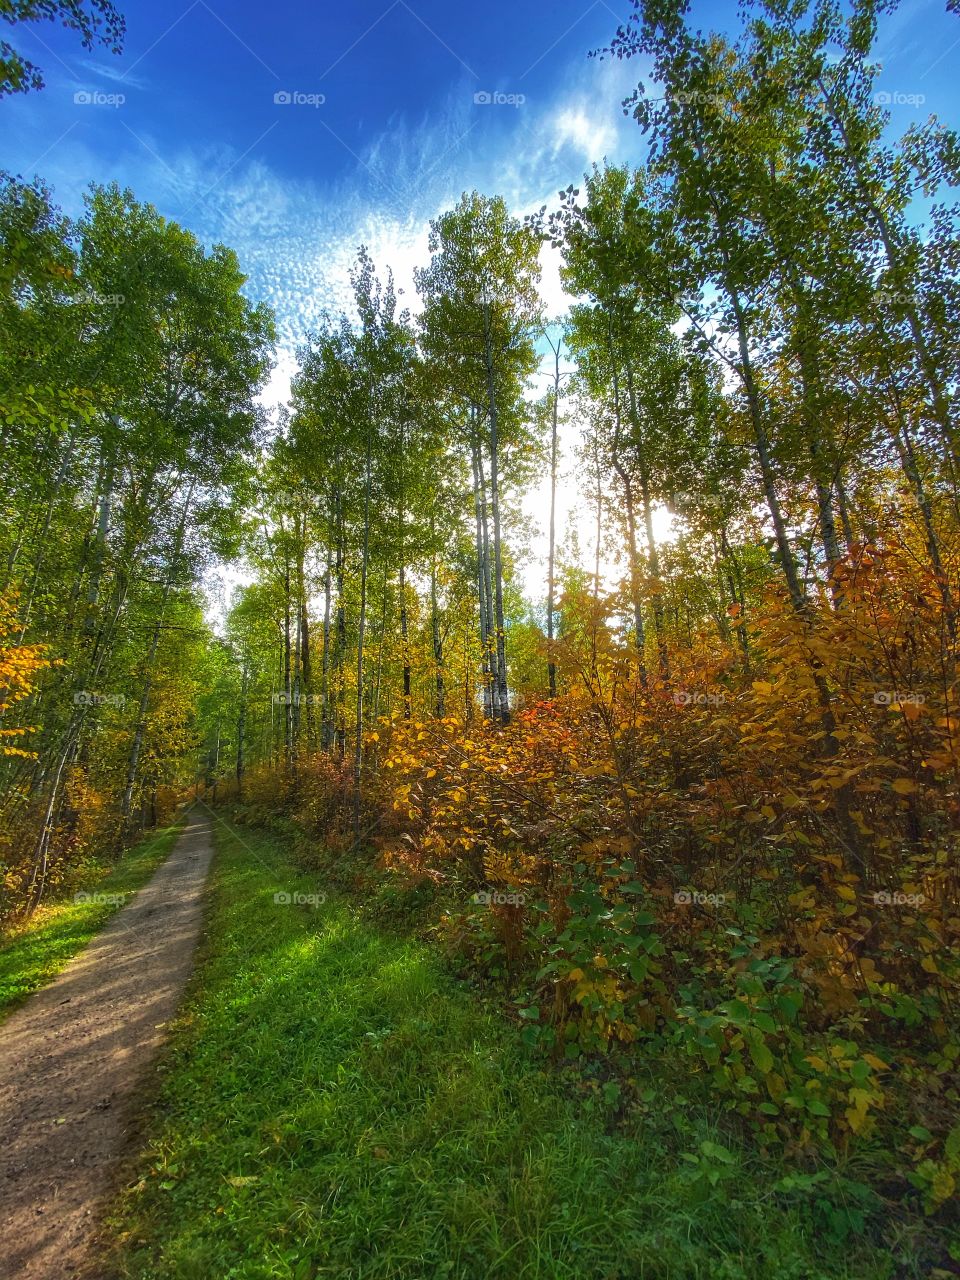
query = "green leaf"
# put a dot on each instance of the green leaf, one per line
(714, 1151)
(762, 1057)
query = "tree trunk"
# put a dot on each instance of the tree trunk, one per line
(653, 555)
(241, 727)
(639, 638)
(500, 674)
(326, 705)
(361, 625)
(490, 685)
(287, 683)
(340, 644)
(439, 704)
(405, 646)
(551, 549)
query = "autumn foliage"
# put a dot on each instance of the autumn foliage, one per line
(753, 862)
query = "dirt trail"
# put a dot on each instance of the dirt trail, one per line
(71, 1058)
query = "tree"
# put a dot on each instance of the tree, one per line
(480, 308)
(96, 21)
(553, 408)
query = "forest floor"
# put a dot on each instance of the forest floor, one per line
(328, 1099)
(334, 1102)
(72, 1061)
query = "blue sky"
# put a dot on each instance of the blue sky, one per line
(295, 187)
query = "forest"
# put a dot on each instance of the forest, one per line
(694, 801)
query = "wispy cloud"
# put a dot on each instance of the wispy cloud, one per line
(114, 72)
(297, 240)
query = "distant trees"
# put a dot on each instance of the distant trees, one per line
(382, 525)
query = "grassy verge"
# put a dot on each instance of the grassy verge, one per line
(34, 953)
(332, 1104)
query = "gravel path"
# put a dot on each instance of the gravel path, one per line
(71, 1059)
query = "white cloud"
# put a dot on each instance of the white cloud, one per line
(113, 71)
(591, 134)
(277, 389)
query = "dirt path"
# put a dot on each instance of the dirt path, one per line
(71, 1058)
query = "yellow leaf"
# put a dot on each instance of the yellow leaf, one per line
(776, 1085)
(855, 1119)
(903, 786)
(943, 1186)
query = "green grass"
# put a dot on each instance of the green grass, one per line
(332, 1104)
(34, 953)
